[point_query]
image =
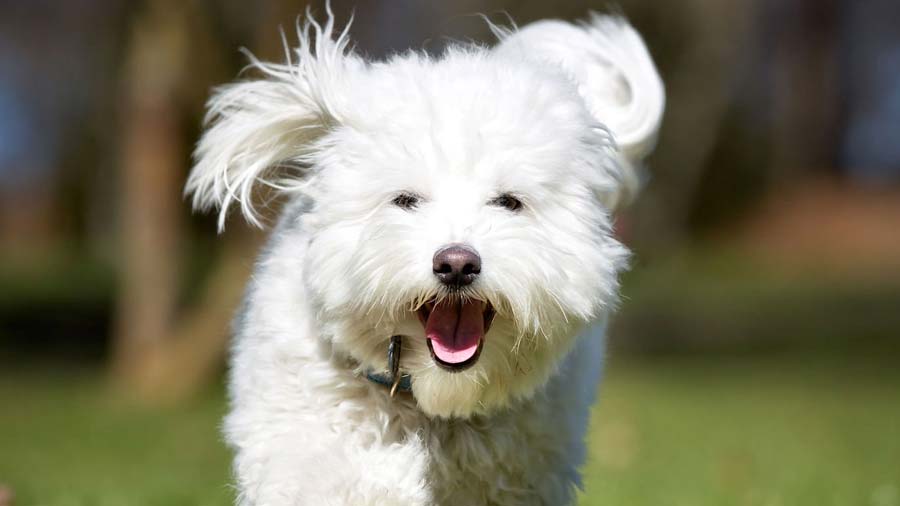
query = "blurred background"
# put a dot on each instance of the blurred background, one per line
(756, 358)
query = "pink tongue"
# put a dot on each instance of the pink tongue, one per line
(455, 330)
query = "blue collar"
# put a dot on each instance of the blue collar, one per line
(386, 380)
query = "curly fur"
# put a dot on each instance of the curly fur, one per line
(558, 115)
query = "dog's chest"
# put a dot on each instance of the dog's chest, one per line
(518, 457)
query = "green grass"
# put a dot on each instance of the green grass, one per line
(724, 431)
(64, 442)
(667, 432)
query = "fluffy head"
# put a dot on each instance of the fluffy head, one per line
(503, 150)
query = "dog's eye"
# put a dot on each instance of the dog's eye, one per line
(507, 201)
(406, 200)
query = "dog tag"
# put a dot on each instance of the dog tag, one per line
(394, 361)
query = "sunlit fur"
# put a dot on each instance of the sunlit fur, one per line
(558, 115)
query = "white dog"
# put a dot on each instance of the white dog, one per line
(453, 213)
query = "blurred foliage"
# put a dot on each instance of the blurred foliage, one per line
(719, 300)
(759, 102)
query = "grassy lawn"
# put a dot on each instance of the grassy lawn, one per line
(63, 442)
(667, 432)
(747, 432)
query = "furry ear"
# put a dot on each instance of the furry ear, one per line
(606, 58)
(261, 131)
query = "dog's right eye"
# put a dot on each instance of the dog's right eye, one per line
(406, 200)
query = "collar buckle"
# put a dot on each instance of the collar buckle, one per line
(395, 380)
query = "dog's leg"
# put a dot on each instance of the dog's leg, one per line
(307, 433)
(295, 470)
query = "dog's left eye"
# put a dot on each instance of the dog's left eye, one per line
(406, 200)
(506, 201)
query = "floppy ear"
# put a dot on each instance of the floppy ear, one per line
(607, 60)
(261, 131)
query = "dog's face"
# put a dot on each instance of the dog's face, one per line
(462, 203)
(460, 209)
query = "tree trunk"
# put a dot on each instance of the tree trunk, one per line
(153, 158)
(711, 35)
(158, 355)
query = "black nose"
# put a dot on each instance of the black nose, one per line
(456, 265)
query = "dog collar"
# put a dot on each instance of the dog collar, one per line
(384, 379)
(395, 380)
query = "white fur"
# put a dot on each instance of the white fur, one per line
(539, 116)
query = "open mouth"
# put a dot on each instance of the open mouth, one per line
(454, 330)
